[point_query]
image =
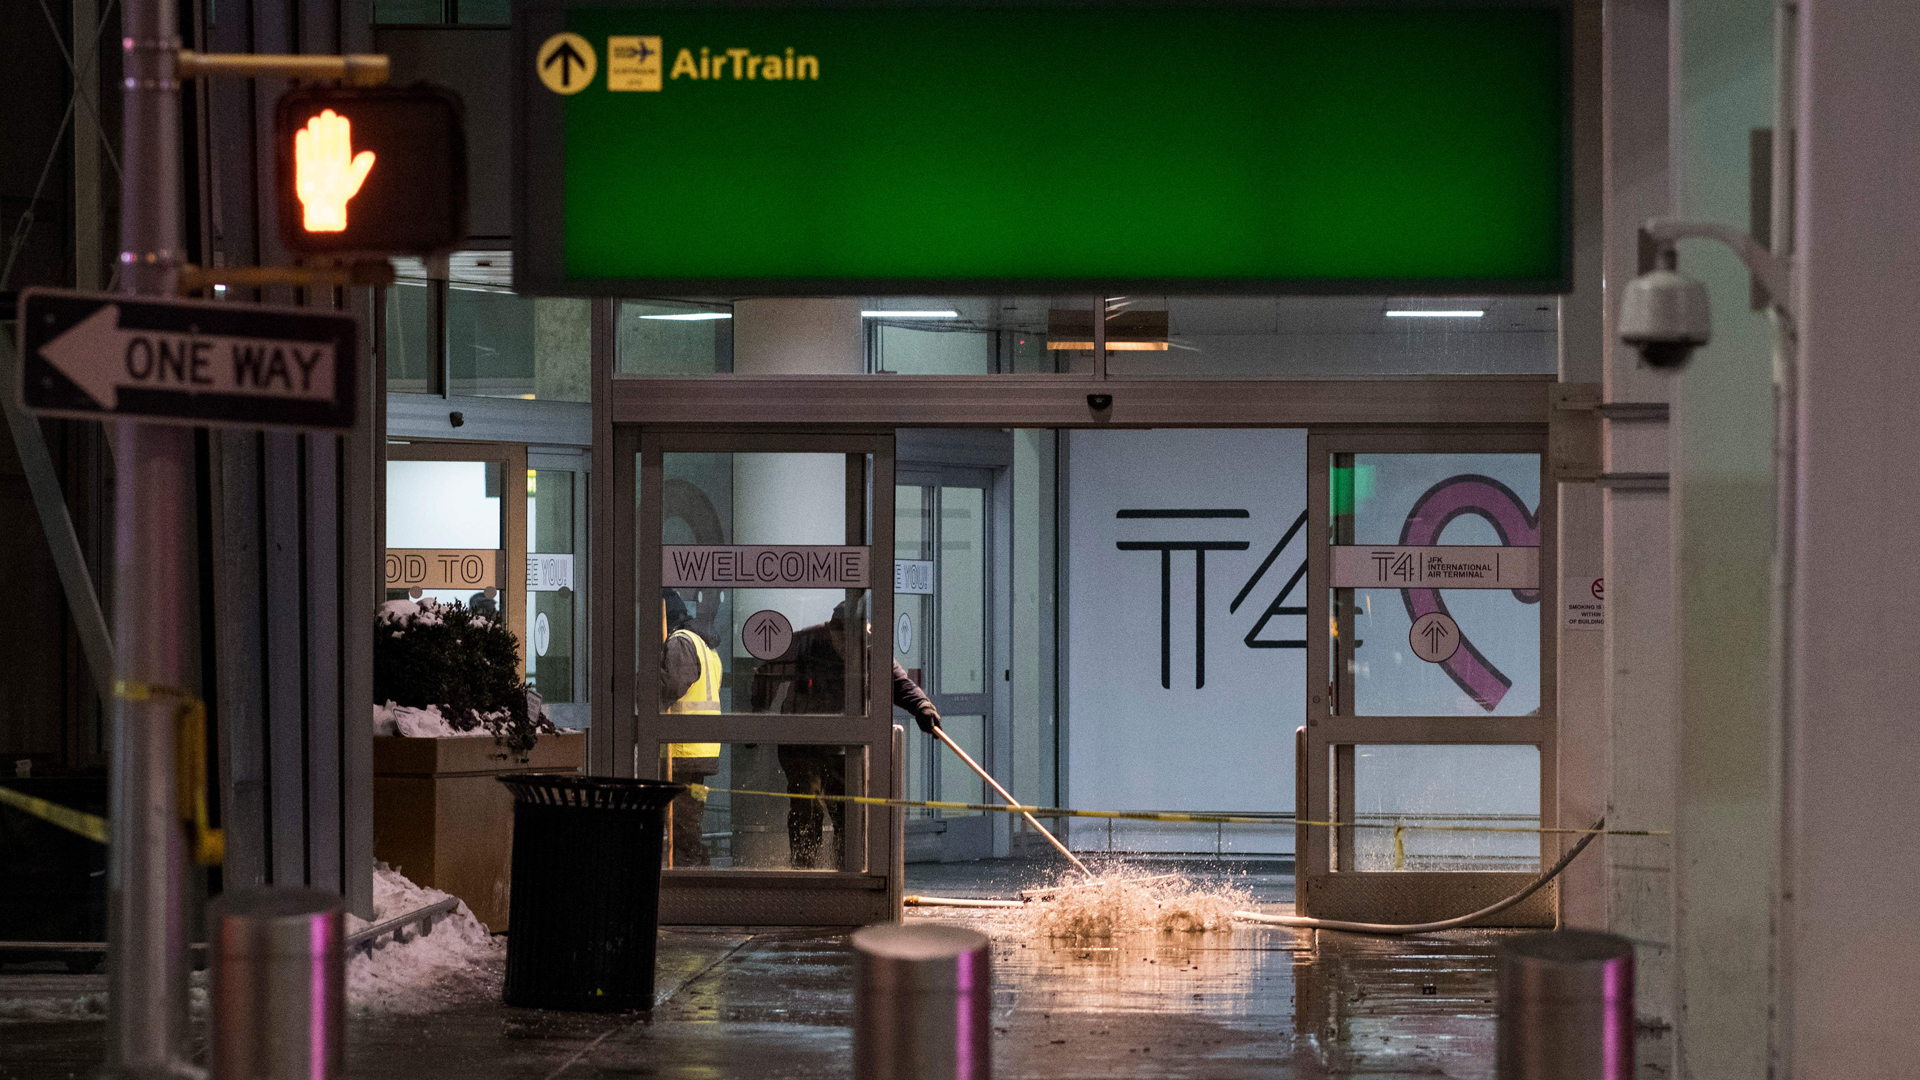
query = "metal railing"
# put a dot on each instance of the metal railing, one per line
(371, 938)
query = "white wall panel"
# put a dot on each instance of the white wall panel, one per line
(1216, 732)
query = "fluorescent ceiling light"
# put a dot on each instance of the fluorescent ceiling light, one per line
(692, 316)
(1063, 345)
(948, 314)
(1455, 313)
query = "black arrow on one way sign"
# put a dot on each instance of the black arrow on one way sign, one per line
(189, 362)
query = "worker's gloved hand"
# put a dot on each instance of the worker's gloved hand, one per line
(928, 720)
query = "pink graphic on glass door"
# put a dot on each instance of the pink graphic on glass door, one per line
(1496, 503)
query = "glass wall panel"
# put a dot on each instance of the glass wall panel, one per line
(501, 344)
(912, 629)
(926, 350)
(445, 505)
(957, 782)
(408, 12)
(1147, 336)
(550, 646)
(1035, 728)
(1430, 788)
(962, 591)
(715, 499)
(427, 12)
(769, 832)
(976, 335)
(413, 361)
(1425, 500)
(671, 337)
(483, 12)
(1340, 336)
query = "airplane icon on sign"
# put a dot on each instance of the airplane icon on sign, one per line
(638, 52)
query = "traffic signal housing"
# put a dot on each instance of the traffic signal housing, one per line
(371, 171)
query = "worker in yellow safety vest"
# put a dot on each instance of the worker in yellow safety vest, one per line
(689, 683)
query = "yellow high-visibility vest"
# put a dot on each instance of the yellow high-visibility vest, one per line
(702, 697)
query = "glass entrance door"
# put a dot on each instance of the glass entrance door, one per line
(759, 628)
(555, 630)
(942, 633)
(1430, 717)
(455, 527)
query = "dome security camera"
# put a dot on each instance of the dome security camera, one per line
(1665, 315)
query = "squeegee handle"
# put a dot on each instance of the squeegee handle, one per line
(940, 733)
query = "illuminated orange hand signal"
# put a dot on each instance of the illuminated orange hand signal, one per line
(326, 171)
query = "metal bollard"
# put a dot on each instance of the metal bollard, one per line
(1566, 1007)
(277, 978)
(921, 1003)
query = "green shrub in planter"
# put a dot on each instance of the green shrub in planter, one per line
(463, 661)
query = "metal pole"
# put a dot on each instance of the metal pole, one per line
(1565, 1007)
(147, 870)
(922, 1003)
(277, 979)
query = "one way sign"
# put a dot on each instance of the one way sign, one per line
(186, 362)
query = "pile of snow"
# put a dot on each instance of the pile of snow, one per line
(427, 723)
(457, 961)
(399, 611)
(84, 1007)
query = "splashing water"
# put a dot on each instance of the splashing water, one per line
(1128, 900)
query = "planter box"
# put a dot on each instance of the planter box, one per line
(441, 818)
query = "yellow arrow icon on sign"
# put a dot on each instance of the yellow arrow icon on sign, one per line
(566, 63)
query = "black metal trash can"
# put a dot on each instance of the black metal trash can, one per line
(585, 914)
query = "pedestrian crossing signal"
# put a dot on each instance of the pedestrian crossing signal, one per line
(326, 171)
(371, 171)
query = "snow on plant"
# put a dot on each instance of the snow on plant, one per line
(458, 662)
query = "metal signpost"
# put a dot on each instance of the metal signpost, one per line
(147, 853)
(157, 368)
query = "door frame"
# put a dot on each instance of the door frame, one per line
(579, 462)
(623, 406)
(1323, 890)
(754, 897)
(978, 835)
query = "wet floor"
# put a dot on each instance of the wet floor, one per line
(772, 1004)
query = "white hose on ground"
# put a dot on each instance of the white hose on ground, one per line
(941, 734)
(1304, 922)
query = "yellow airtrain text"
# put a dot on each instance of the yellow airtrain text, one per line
(744, 64)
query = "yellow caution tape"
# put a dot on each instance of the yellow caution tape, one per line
(701, 791)
(87, 825)
(190, 766)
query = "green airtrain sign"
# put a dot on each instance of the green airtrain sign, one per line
(1041, 147)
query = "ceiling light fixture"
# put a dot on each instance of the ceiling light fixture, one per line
(691, 316)
(1457, 313)
(947, 314)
